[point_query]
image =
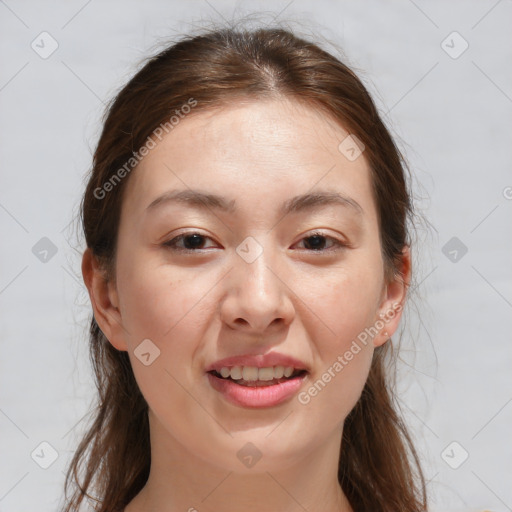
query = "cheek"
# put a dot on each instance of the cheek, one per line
(159, 303)
(344, 350)
(344, 308)
(344, 302)
(330, 396)
(172, 312)
(169, 310)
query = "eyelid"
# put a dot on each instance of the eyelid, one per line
(174, 240)
(339, 244)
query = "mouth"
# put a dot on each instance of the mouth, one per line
(252, 387)
(258, 377)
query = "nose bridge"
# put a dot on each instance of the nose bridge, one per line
(257, 294)
(255, 261)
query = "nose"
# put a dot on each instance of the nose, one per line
(258, 297)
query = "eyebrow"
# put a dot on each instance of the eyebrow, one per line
(203, 200)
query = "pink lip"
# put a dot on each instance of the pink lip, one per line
(256, 397)
(259, 361)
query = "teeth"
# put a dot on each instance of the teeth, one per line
(251, 373)
(278, 372)
(288, 371)
(265, 373)
(236, 372)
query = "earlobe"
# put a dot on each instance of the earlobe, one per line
(104, 300)
(393, 300)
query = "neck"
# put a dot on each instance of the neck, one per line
(180, 481)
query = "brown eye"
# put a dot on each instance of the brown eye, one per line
(191, 242)
(317, 241)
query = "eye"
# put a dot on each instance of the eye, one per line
(192, 242)
(317, 241)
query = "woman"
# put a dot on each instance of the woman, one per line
(247, 263)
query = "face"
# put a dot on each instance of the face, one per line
(265, 273)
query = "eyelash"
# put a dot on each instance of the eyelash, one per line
(172, 244)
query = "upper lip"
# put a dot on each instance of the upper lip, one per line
(259, 361)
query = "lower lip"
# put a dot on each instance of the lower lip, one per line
(256, 396)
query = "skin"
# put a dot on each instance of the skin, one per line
(200, 307)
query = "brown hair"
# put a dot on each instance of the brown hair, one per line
(379, 469)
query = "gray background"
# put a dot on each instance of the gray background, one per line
(450, 112)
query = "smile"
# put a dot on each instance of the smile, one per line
(254, 387)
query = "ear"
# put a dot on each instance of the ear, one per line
(104, 300)
(393, 299)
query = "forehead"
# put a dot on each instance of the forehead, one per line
(252, 151)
